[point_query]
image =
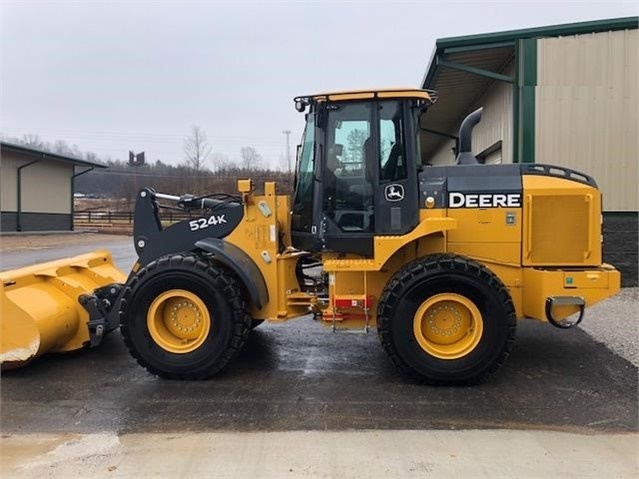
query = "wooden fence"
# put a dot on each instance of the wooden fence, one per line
(101, 217)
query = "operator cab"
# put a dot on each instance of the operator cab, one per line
(356, 171)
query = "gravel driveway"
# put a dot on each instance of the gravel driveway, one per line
(615, 323)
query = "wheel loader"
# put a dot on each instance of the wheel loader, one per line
(440, 260)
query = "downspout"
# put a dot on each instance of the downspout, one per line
(73, 177)
(19, 216)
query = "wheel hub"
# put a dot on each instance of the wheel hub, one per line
(185, 316)
(448, 326)
(444, 321)
(178, 321)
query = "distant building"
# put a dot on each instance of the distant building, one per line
(566, 95)
(36, 188)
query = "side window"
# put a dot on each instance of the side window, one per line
(392, 160)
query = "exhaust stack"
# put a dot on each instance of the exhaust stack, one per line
(465, 154)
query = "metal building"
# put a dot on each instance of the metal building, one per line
(36, 188)
(564, 95)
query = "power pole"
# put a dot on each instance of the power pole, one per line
(288, 149)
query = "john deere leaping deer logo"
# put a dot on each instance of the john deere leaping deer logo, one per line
(394, 193)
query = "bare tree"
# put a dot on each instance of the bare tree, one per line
(250, 158)
(32, 140)
(196, 148)
(222, 162)
(62, 148)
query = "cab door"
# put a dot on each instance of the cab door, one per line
(369, 175)
(347, 175)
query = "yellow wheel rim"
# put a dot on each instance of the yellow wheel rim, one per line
(448, 326)
(178, 321)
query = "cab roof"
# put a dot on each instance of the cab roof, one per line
(428, 95)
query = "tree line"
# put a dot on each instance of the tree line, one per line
(200, 173)
(121, 180)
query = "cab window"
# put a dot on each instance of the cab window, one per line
(392, 161)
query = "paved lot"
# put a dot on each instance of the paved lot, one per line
(301, 376)
(97, 412)
(25, 250)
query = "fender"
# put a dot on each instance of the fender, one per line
(233, 257)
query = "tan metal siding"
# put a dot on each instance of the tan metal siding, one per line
(586, 110)
(496, 123)
(46, 185)
(8, 185)
(497, 120)
(46, 188)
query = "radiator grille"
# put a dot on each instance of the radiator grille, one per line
(560, 229)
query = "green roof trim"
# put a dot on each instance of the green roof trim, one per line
(627, 23)
(46, 155)
(473, 48)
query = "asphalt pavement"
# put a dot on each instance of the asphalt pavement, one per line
(299, 376)
(18, 251)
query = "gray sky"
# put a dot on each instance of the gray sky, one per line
(114, 76)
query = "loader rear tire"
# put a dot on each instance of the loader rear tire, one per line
(445, 319)
(256, 322)
(183, 317)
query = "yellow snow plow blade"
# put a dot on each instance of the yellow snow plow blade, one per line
(40, 311)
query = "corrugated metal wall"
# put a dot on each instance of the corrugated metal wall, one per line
(8, 185)
(587, 109)
(46, 186)
(497, 120)
(496, 124)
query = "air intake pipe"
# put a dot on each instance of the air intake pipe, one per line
(465, 154)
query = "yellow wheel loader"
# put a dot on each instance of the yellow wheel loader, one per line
(440, 260)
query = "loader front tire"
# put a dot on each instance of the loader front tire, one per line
(445, 319)
(183, 317)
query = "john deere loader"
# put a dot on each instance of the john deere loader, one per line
(441, 260)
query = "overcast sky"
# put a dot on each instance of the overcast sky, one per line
(113, 76)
